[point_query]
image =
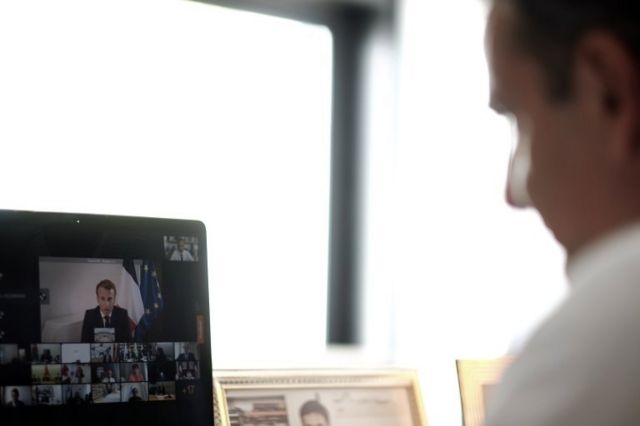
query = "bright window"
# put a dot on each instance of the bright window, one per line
(181, 109)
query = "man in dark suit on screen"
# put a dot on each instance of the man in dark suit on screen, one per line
(106, 315)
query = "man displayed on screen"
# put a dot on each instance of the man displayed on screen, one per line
(312, 413)
(106, 315)
(135, 375)
(15, 398)
(77, 399)
(181, 253)
(108, 377)
(46, 357)
(161, 356)
(188, 370)
(186, 354)
(134, 395)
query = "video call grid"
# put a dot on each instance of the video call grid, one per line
(83, 373)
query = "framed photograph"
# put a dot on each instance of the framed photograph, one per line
(318, 398)
(477, 379)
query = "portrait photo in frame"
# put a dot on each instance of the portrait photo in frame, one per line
(318, 397)
(477, 379)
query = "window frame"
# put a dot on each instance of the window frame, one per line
(352, 23)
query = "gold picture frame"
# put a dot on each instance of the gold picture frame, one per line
(477, 378)
(351, 397)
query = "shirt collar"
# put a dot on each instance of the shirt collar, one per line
(605, 254)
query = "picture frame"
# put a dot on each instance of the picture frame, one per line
(477, 378)
(301, 397)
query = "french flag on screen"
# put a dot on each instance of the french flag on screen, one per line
(129, 296)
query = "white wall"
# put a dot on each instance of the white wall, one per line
(72, 285)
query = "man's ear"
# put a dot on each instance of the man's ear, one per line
(608, 78)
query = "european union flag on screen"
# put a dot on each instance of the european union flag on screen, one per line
(151, 298)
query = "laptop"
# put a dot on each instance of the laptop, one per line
(103, 320)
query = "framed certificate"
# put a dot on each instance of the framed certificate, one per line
(318, 398)
(477, 379)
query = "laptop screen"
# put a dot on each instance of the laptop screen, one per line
(103, 320)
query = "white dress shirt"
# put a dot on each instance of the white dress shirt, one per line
(182, 255)
(582, 366)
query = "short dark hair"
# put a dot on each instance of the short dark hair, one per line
(549, 30)
(313, 406)
(107, 285)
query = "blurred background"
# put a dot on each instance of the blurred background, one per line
(340, 152)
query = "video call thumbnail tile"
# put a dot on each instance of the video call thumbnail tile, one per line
(187, 370)
(133, 372)
(161, 371)
(46, 353)
(46, 395)
(105, 373)
(106, 393)
(162, 391)
(135, 392)
(76, 352)
(186, 351)
(76, 394)
(103, 352)
(75, 373)
(163, 351)
(16, 396)
(46, 373)
(12, 354)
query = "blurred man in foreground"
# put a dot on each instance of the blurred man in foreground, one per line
(568, 73)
